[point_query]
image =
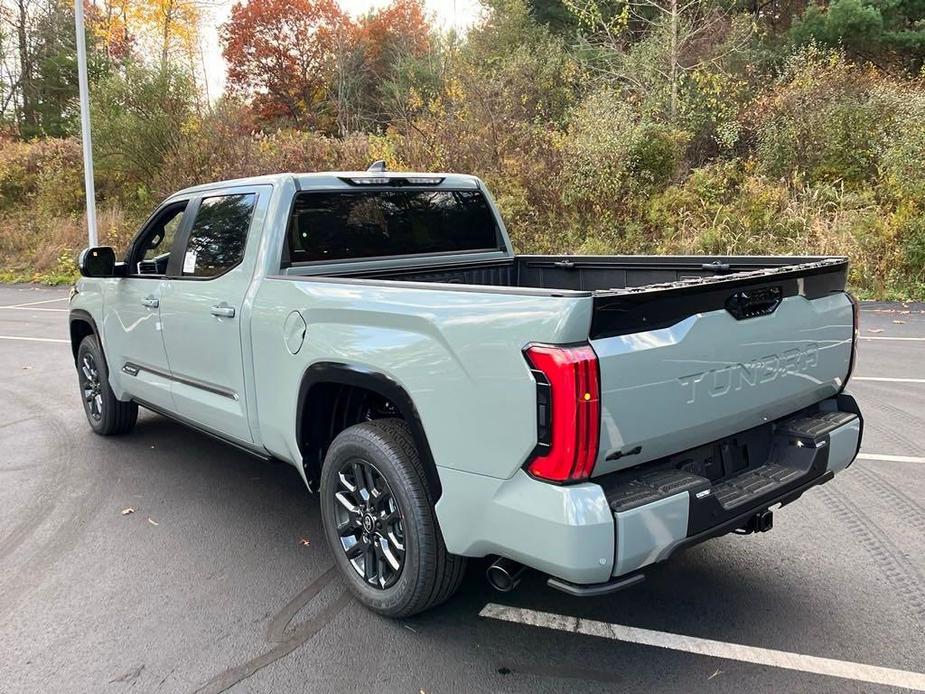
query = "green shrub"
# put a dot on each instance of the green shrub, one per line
(826, 120)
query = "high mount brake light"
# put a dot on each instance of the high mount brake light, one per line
(568, 412)
(370, 180)
(396, 181)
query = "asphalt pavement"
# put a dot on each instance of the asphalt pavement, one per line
(220, 578)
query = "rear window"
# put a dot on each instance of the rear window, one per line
(366, 224)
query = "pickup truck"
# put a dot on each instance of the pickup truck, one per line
(586, 417)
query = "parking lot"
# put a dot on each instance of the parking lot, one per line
(220, 579)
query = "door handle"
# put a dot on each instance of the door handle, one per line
(150, 302)
(223, 310)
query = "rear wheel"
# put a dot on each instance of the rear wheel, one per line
(107, 415)
(379, 520)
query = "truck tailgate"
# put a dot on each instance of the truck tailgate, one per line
(690, 362)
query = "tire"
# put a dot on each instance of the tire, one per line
(392, 471)
(107, 415)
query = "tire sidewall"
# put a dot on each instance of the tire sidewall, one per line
(356, 443)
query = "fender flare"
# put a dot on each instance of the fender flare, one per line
(362, 377)
(80, 315)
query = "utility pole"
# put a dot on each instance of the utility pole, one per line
(89, 187)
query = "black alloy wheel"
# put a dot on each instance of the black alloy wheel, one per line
(369, 523)
(377, 509)
(91, 387)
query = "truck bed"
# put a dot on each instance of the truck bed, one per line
(588, 273)
(632, 293)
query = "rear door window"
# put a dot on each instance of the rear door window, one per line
(219, 235)
(369, 223)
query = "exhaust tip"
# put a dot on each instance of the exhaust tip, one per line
(504, 574)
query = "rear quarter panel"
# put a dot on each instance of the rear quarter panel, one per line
(456, 352)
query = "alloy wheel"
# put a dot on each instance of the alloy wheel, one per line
(91, 387)
(369, 523)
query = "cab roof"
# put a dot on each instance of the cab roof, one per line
(335, 180)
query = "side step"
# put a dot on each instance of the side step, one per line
(652, 486)
(747, 486)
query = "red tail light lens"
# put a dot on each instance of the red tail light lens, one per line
(568, 412)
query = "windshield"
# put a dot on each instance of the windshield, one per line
(370, 223)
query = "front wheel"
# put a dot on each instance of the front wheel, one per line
(378, 515)
(106, 414)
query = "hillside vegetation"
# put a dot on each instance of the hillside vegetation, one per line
(646, 126)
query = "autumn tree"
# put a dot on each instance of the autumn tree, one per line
(377, 47)
(281, 56)
(649, 47)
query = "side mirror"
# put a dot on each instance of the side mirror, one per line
(97, 262)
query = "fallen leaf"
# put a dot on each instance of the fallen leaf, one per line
(153, 522)
(305, 542)
(875, 330)
(127, 511)
(714, 674)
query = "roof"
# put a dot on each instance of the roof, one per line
(330, 180)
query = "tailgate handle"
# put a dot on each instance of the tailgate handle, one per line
(750, 303)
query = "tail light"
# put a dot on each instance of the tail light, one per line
(568, 412)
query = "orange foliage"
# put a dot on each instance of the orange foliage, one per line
(281, 54)
(401, 27)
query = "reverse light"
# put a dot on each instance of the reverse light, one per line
(568, 412)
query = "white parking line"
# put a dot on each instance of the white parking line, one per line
(910, 339)
(886, 379)
(35, 303)
(32, 339)
(716, 649)
(891, 458)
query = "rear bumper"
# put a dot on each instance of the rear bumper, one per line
(592, 532)
(803, 451)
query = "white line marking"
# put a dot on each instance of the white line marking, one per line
(35, 303)
(32, 339)
(886, 379)
(33, 308)
(891, 458)
(910, 339)
(717, 649)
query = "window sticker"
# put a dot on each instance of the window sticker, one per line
(189, 262)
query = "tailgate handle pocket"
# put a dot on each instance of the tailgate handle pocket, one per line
(750, 303)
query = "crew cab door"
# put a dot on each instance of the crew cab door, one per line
(201, 307)
(132, 328)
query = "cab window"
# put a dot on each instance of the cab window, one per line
(219, 235)
(151, 251)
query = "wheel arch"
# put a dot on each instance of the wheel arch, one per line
(81, 325)
(319, 378)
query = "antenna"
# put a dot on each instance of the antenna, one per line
(378, 166)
